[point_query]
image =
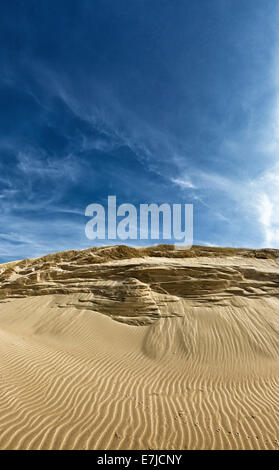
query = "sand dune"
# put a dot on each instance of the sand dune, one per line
(122, 348)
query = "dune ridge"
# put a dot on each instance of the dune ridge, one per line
(140, 348)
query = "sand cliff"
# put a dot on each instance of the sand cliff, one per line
(148, 348)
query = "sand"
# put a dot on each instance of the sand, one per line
(119, 348)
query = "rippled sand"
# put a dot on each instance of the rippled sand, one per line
(118, 348)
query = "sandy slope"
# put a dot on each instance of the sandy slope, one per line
(128, 349)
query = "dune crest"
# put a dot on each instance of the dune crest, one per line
(127, 348)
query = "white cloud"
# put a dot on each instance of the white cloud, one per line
(255, 201)
(265, 197)
(31, 163)
(183, 183)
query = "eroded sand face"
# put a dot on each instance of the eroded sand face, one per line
(117, 348)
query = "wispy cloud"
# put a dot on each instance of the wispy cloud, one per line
(183, 183)
(265, 201)
(35, 163)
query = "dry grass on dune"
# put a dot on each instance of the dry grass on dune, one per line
(140, 348)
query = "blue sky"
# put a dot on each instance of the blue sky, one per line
(150, 100)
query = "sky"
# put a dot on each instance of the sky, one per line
(154, 101)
